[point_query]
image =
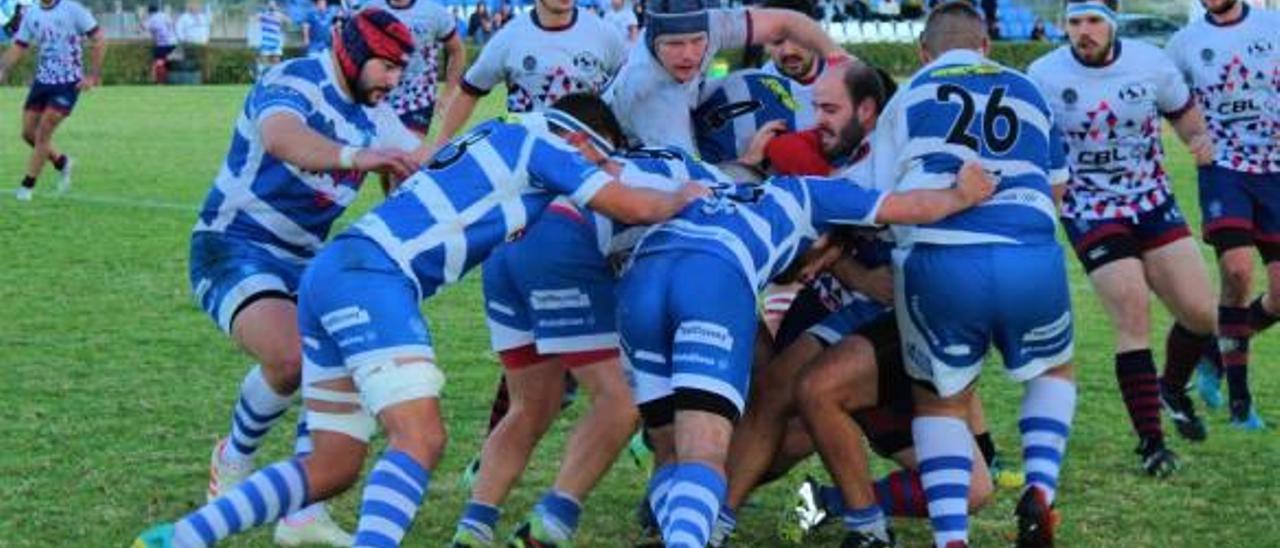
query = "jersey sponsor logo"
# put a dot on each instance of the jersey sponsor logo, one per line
(1261, 47)
(966, 70)
(1241, 106)
(1098, 252)
(1134, 92)
(706, 333)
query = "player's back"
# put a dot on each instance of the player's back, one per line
(963, 106)
(475, 193)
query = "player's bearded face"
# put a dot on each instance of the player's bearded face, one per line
(681, 54)
(377, 78)
(1218, 7)
(1091, 37)
(794, 60)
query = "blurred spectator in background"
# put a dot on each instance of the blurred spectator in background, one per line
(193, 25)
(317, 27)
(480, 26)
(503, 16)
(1037, 31)
(622, 18)
(163, 41)
(269, 36)
(637, 6)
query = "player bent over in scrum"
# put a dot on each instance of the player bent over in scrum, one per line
(368, 358)
(687, 316)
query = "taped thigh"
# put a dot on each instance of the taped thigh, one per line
(358, 423)
(395, 375)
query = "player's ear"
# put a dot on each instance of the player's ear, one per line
(986, 46)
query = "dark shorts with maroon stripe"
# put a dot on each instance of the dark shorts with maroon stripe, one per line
(59, 97)
(1241, 209)
(888, 424)
(1098, 242)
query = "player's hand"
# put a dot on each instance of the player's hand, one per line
(754, 156)
(384, 160)
(1201, 147)
(974, 183)
(691, 191)
(87, 83)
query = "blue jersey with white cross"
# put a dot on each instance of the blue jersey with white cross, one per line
(962, 107)
(733, 110)
(278, 206)
(476, 193)
(673, 167)
(763, 228)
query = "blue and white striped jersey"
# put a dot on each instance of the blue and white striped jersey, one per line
(673, 167)
(475, 194)
(271, 32)
(280, 207)
(733, 109)
(763, 228)
(961, 107)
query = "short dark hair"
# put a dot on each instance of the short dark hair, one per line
(593, 112)
(953, 25)
(863, 81)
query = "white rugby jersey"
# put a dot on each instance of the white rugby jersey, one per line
(802, 91)
(1235, 73)
(651, 106)
(622, 20)
(59, 31)
(1110, 117)
(431, 26)
(540, 64)
(289, 211)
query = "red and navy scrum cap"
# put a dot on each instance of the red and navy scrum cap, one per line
(372, 33)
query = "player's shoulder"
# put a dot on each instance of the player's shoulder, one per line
(1142, 54)
(1188, 34)
(307, 71)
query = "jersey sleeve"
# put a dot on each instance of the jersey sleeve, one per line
(1172, 94)
(24, 36)
(391, 132)
(561, 169)
(728, 28)
(442, 23)
(615, 53)
(886, 141)
(271, 99)
(839, 202)
(1174, 50)
(84, 21)
(1059, 173)
(487, 71)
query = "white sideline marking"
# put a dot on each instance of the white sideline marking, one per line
(122, 202)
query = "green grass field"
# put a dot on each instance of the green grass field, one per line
(114, 385)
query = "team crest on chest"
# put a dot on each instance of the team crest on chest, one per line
(1261, 48)
(1133, 93)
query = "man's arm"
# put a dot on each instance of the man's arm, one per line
(876, 283)
(306, 32)
(459, 106)
(457, 61)
(97, 54)
(11, 57)
(643, 206)
(287, 137)
(1194, 133)
(771, 25)
(924, 206)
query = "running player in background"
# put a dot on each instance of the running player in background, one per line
(1108, 95)
(660, 84)
(271, 22)
(552, 312)
(993, 274)
(551, 51)
(163, 42)
(433, 27)
(687, 317)
(317, 27)
(1231, 59)
(368, 352)
(310, 130)
(59, 28)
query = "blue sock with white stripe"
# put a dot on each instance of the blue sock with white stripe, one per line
(257, 410)
(726, 522)
(559, 513)
(659, 486)
(697, 491)
(265, 496)
(391, 499)
(869, 520)
(1047, 407)
(479, 520)
(302, 447)
(945, 450)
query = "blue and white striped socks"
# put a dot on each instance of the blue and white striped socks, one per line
(559, 513)
(869, 520)
(479, 520)
(659, 486)
(945, 450)
(1047, 407)
(693, 502)
(257, 410)
(265, 496)
(391, 499)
